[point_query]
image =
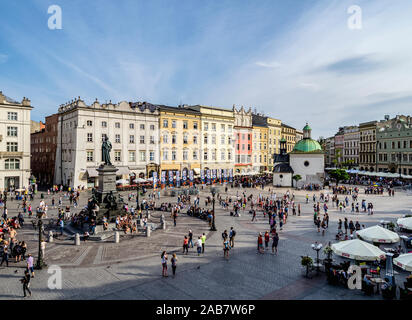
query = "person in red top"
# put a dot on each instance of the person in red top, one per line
(186, 245)
(267, 238)
(260, 243)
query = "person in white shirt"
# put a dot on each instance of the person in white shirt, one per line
(199, 246)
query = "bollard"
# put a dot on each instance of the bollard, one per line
(164, 225)
(77, 239)
(116, 237)
(50, 236)
(148, 231)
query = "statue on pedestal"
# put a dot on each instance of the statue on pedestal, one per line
(106, 148)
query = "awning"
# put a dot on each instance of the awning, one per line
(196, 170)
(92, 172)
(122, 171)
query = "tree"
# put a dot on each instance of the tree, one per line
(339, 175)
(297, 177)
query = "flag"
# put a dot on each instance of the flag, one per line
(208, 176)
(154, 180)
(178, 179)
(202, 176)
(191, 177)
(184, 177)
(163, 179)
(170, 178)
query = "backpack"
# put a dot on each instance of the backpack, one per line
(233, 233)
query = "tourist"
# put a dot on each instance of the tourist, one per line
(275, 243)
(185, 245)
(224, 235)
(164, 264)
(226, 248)
(174, 261)
(5, 254)
(203, 242)
(267, 238)
(30, 267)
(345, 224)
(191, 238)
(260, 243)
(232, 235)
(26, 283)
(199, 246)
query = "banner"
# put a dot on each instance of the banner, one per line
(163, 179)
(208, 176)
(202, 176)
(154, 180)
(225, 175)
(170, 178)
(191, 177)
(184, 177)
(231, 175)
(178, 179)
(219, 175)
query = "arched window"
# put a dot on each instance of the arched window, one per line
(12, 164)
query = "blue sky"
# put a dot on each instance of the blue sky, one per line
(296, 60)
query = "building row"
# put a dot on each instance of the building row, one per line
(382, 146)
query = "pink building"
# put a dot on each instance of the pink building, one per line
(243, 140)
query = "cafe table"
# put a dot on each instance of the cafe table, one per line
(377, 282)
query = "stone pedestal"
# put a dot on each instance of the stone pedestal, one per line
(107, 181)
(116, 237)
(77, 239)
(50, 236)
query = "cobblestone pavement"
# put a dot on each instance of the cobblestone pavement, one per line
(132, 270)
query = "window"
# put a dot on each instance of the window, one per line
(206, 126)
(152, 127)
(222, 127)
(131, 125)
(142, 126)
(152, 140)
(238, 146)
(12, 116)
(117, 138)
(205, 155)
(185, 139)
(243, 136)
(132, 156)
(205, 139)
(185, 154)
(214, 155)
(195, 125)
(229, 140)
(151, 155)
(229, 128)
(90, 137)
(222, 139)
(12, 164)
(12, 131)
(213, 126)
(173, 138)
(174, 124)
(222, 155)
(104, 124)
(229, 155)
(184, 124)
(117, 156)
(194, 139)
(165, 154)
(131, 138)
(213, 139)
(165, 123)
(243, 147)
(141, 139)
(142, 155)
(89, 123)
(117, 125)
(89, 156)
(173, 155)
(165, 138)
(194, 155)
(12, 147)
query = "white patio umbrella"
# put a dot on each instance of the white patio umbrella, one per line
(139, 180)
(358, 250)
(404, 261)
(405, 223)
(378, 234)
(122, 181)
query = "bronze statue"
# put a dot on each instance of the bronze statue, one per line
(106, 148)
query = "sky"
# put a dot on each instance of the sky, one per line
(294, 60)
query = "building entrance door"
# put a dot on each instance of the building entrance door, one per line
(11, 183)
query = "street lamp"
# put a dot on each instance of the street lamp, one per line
(317, 246)
(213, 227)
(400, 165)
(40, 261)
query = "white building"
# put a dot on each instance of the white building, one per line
(306, 160)
(132, 128)
(14, 143)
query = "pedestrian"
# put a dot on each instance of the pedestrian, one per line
(267, 240)
(199, 246)
(203, 242)
(5, 254)
(61, 223)
(345, 224)
(174, 261)
(164, 264)
(30, 267)
(191, 238)
(254, 215)
(185, 245)
(226, 248)
(232, 236)
(26, 283)
(260, 243)
(275, 243)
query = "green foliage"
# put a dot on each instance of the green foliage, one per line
(297, 177)
(339, 175)
(306, 261)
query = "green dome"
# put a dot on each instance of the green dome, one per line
(307, 145)
(307, 127)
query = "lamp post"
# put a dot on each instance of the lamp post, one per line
(40, 261)
(317, 246)
(400, 165)
(213, 227)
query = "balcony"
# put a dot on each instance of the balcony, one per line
(6, 154)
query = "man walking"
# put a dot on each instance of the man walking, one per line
(30, 267)
(26, 283)
(5, 254)
(203, 242)
(232, 235)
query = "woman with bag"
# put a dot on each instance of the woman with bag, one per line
(164, 264)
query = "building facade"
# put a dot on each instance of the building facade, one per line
(394, 141)
(217, 137)
(274, 137)
(351, 146)
(338, 148)
(260, 150)
(289, 134)
(14, 143)
(132, 128)
(43, 151)
(367, 146)
(180, 139)
(243, 140)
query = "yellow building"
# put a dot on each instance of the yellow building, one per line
(289, 134)
(180, 139)
(274, 136)
(260, 150)
(217, 137)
